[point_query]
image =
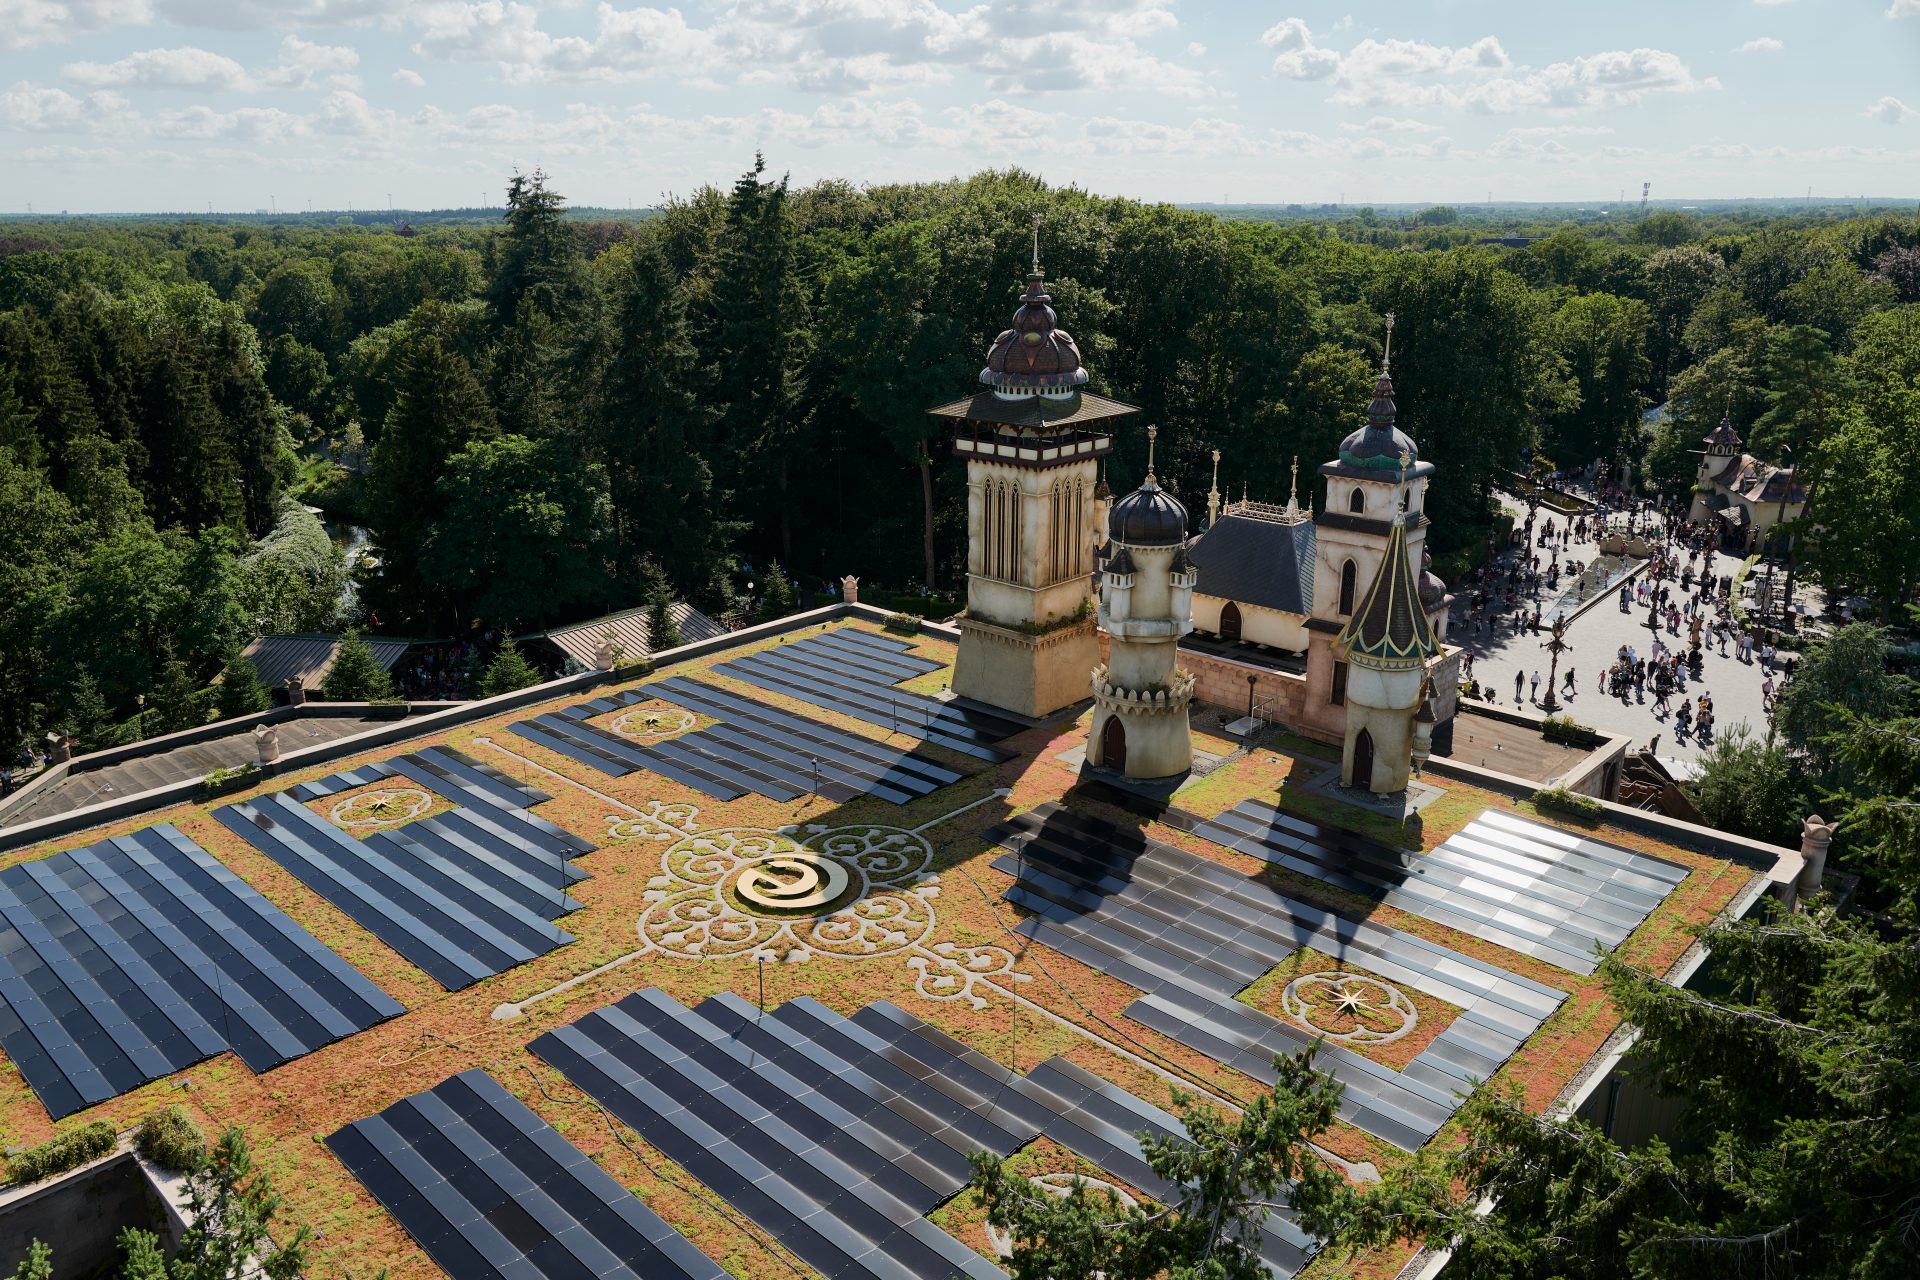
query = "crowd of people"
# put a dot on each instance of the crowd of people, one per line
(1687, 604)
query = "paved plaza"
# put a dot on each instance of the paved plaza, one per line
(1595, 637)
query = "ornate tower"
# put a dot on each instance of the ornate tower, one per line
(1386, 646)
(1140, 697)
(1032, 440)
(1368, 497)
(1717, 448)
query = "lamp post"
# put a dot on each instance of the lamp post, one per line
(1555, 647)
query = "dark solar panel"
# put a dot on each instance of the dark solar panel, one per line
(836, 1135)
(491, 1191)
(130, 959)
(464, 894)
(755, 748)
(1191, 934)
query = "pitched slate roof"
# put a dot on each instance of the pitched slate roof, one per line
(1257, 562)
(309, 657)
(581, 640)
(1390, 629)
(1082, 408)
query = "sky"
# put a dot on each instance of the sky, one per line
(185, 105)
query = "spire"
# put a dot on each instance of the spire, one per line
(1036, 243)
(1153, 433)
(1380, 413)
(1400, 489)
(1293, 492)
(1213, 493)
(1389, 630)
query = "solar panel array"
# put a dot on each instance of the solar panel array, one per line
(128, 960)
(757, 749)
(1191, 934)
(837, 1135)
(1523, 885)
(854, 672)
(464, 894)
(492, 1192)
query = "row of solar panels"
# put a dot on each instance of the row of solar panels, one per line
(755, 748)
(138, 956)
(855, 673)
(835, 1136)
(1533, 889)
(1192, 934)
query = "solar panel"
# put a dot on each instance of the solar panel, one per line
(836, 1135)
(130, 959)
(491, 1191)
(463, 894)
(1191, 934)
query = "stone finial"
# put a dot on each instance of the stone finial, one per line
(266, 743)
(1213, 493)
(1816, 835)
(603, 654)
(296, 692)
(850, 589)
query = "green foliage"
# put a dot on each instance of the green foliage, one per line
(141, 1257)
(662, 631)
(175, 704)
(1566, 729)
(1226, 1173)
(219, 781)
(525, 533)
(1842, 678)
(1570, 803)
(508, 671)
(241, 692)
(355, 676)
(1752, 788)
(37, 1265)
(169, 1138)
(62, 1152)
(906, 624)
(777, 598)
(231, 1208)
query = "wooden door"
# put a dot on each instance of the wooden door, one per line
(1230, 621)
(1363, 761)
(1113, 745)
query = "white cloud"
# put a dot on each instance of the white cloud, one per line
(31, 108)
(1611, 79)
(410, 78)
(1761, 44)
(247, 124)
(302, 65)
(271, 15)
(1387, 124)
(1904, 9)
(1889, 110)
(27, 23)
(1771, 4)
(1297, 57)
(185, 68)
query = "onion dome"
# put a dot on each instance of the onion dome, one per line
(1034, 355)
(1379, 445)
(1723, 436)
(1432, 589)
(1389, 630)
(1148, 517)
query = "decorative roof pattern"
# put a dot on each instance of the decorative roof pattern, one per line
(1249, 560)
(1148, 517)
(1722, 436)
(1380, 445)
(1081, 409)
(1034, 353)
(1390, 629)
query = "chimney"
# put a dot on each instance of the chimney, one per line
(850, 589)
(1816, 833)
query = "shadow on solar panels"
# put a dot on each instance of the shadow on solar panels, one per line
(464, 892)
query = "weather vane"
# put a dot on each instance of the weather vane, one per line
(1386, 357)
(1036, 243)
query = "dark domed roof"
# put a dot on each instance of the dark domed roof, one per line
(1379, 444)
(1148, 517)
(1034, 354)
(1432, 589)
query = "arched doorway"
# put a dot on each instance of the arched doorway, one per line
(1113, 745)
(1230, 621)
(1362, 775)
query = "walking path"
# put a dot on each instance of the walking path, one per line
(1501, 652)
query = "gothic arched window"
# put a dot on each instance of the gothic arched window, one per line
(1349, 576)
(1356, 500)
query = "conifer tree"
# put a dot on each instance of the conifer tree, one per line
(241, 692)
(356, 675)
(777, 598)
(662, 631)
(174, 706)
(508, 671)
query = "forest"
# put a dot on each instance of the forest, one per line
(557, 415)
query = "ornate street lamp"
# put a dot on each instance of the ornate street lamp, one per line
(1556, 646)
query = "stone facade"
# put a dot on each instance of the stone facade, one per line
(1140, 696)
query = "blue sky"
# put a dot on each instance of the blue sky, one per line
(182, 104)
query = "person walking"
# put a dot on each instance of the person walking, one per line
(1519, 686)
(1534, 693)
